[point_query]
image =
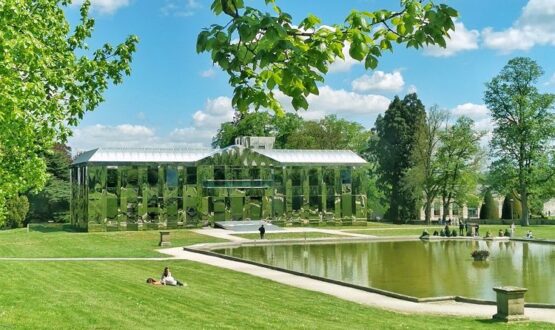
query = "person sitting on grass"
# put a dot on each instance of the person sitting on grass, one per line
(529, 234)
(167, 278)
(425, 234)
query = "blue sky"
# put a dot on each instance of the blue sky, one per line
(175, 97)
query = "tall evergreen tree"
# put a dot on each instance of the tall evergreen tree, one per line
(489, 209)
(396, 138)
(52, 203)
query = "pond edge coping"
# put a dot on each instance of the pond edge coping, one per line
(206, 249)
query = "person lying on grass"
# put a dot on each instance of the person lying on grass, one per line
(167, 278)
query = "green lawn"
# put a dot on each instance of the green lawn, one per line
(271, 236)
(113, 295)
(19, 243)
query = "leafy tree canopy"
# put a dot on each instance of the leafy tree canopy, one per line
(264, 52)
(330, 133)
(523, 134)
(49, 79)
(257, 124)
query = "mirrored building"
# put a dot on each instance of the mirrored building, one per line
(140, 189)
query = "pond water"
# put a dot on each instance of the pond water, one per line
(420, 268)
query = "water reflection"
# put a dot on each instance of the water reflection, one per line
(421, 269)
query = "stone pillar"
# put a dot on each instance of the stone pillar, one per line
(510, 303)
(164, 239)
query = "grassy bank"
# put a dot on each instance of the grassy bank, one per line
(19, 243)
(113, 295)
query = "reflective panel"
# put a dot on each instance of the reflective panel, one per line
(229, 184)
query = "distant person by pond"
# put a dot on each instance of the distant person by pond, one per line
(477, 232)
(262, 231)
(512, 229)
(461, 228)
(167, 278)
(529, 234)
(424, 234)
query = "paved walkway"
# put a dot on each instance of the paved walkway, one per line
(231, 235)
(355, 295)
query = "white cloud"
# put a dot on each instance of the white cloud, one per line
(125, 135)
(482, 119)
(208, 73)
(551, 81)
(474, 111)
(343, 65)
(215, 112)
(412, 89)
(379, 81)
(204, 126)
(460, 40)
(105, 6)
(183, 8)
(340, 102)
(535, 26)
(193, 136)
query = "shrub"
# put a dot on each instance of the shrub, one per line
(509, 207)
(17, 208)
(480, 254)
(454, 233)
(489, 209)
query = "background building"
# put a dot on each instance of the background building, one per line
(135, 189)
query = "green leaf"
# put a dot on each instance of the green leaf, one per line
(201, 41)
(358, 50)
(371, 62)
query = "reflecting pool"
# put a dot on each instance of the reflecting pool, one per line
(420, 268)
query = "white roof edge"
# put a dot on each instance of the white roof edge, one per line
(184, 155)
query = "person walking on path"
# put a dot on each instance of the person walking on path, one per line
(461, 228)
(477, 229)
(262, 231)
(512, 229)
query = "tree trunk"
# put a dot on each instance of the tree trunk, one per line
(445, 206)
(428, 211)
(394, 205)
(525, 217)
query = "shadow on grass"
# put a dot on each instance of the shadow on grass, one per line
(52, 228)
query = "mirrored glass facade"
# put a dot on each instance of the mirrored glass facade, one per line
(235, 183)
